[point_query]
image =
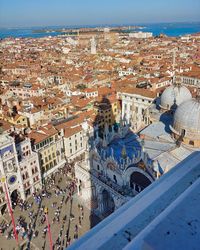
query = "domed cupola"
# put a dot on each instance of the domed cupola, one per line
(186, 124)
(173, 96)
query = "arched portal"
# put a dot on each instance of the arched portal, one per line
(14, 198)
(108, 203)
(3, 209)
(139, 181)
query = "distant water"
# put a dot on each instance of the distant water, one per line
(169, 29)
(172, 29)
(25, 32)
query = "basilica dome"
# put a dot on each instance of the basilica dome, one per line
(173, 96)
(187, 122)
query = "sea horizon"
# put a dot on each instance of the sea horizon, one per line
(168, 28)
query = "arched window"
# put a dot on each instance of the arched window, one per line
(183, 132)
(115, 178)
(191, 143)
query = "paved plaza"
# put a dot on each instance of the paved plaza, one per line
(68, 219)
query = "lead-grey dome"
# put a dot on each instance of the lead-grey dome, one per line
(187, 119)
(173, 96)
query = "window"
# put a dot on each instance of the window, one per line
(70, 151)
(183, 132)
(191, 143)
(114, 178)
(97, 166)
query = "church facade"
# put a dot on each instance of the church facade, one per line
(122, 163)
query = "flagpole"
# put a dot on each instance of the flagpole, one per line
(49, 229)
(3, 180)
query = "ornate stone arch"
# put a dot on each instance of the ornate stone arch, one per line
(127, 174)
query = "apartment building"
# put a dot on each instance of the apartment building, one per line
(47, 142)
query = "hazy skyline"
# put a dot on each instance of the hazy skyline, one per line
(26, 13)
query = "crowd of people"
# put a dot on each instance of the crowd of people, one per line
(35, 224)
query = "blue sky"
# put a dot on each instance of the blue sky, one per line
(25, 13)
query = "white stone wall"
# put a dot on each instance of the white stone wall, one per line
(136, 102)
(9, 167)
(74, 145)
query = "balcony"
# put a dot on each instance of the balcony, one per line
(124, 191)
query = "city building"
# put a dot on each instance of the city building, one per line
(47, 142)
(140, 34)
(10, 169)
(20, 167)
(107, 112)
(135, 102)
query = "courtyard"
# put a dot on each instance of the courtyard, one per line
(68, 218)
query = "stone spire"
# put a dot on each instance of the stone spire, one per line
(93, 46)
(123, 153)
(104, 144)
